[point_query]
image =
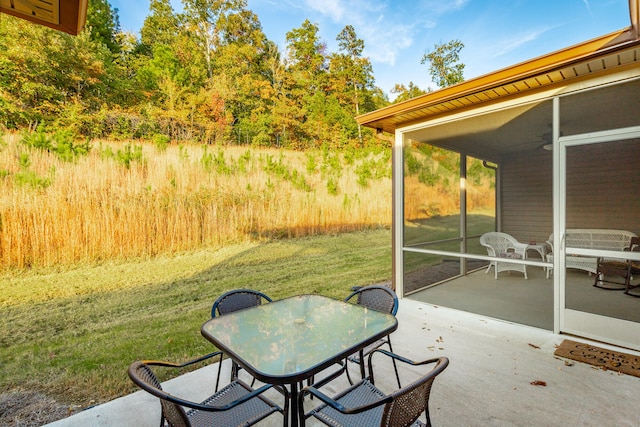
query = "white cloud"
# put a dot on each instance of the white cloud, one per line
(440, 7)
(333, 8)
(512, 44)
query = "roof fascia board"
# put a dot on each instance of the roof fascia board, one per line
(634, 14)
(517, 72)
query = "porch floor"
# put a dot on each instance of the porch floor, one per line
(488, 381)
(527, 301)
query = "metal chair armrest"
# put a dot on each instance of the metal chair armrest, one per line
(181, 365)
(397, 357)
(195, 405)
(337, 405)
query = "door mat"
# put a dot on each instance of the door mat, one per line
(600, 357)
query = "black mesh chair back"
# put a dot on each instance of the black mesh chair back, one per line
(236, 404)
(237, 299)
(375, 297)
(229, 302)
(380, 298)
(363, 404)
(173, 413)
(411, 401)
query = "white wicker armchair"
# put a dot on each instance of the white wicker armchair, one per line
(503, 245)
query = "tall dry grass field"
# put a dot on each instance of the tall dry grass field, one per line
(141, 200)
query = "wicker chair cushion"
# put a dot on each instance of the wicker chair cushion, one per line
(244, 414)
(363, 394)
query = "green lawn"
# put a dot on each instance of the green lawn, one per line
(72, 334)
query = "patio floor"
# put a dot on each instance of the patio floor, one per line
(488, 381)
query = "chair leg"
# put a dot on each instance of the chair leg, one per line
(346, 370)
(629, 286)
(362, 370)
(395, 367)
(234, 371)
(218, 375)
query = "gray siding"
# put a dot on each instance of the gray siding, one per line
(603, 187)
(527, 202)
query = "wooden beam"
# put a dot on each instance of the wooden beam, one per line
(62, 15)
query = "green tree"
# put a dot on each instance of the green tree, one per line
(306, 57)
(160, 27)
(351, 74)
(305, 83)
(404, 93)
(103, 24)
(443, 63)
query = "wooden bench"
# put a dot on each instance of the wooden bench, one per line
(596, 238)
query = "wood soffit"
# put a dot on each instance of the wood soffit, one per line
(63, 15)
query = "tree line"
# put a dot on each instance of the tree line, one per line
(207, 74)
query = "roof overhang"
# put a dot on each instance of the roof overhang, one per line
(579, 61)
(63, 15)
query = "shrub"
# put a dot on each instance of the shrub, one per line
(129, 155)
(332, 186)
(161, 142)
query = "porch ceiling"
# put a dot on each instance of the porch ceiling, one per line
(527, 127)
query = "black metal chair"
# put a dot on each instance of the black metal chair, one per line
(237, 404)
(235, 300)
(623, 269)
(364, 404)
(380, 298)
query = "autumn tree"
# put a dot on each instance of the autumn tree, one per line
(201, 22)
(207, 74)
(350, 73)
(241, 64)
(44, 84)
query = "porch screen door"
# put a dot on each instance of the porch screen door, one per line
(598, 188)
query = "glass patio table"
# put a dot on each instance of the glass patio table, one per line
(290, 340)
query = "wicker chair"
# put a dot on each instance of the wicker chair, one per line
(237, 404)
(235, 300)
(503, 245)
(363, 404)
(623, 269)
(380, 298)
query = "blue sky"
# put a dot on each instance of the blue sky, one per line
(496, 33)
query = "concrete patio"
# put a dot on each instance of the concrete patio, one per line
(488, 382)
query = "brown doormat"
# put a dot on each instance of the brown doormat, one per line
(606, 359)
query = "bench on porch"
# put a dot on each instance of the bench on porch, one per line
(584, 238)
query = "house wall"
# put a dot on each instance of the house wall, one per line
(526, 191)
(603, 185)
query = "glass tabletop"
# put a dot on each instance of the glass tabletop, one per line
(291, 339)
